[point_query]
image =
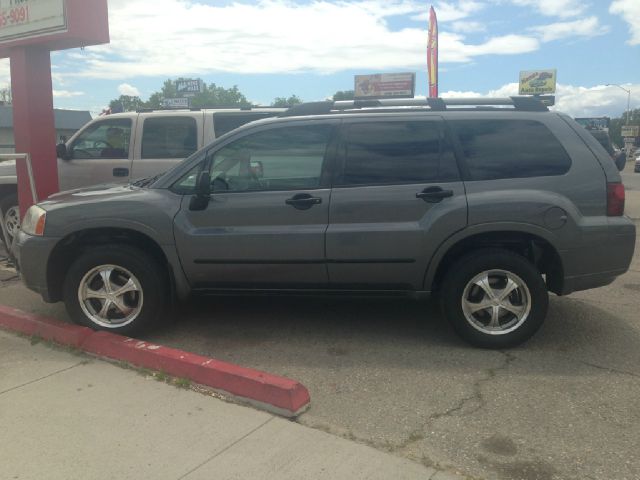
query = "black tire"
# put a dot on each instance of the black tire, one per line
(150, 275)
(466, 269)
(7, 203)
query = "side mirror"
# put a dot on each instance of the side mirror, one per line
(200, 200)
(62, 152)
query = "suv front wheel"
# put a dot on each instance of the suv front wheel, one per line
(117, 288)
(494, 298)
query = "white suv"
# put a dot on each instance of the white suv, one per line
(124, 146)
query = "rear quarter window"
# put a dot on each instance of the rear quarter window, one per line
(497, 149)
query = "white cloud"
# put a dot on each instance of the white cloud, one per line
(129, 90)
(467, 26)
(629, 10)
(452, 11)
(555, 8)
(576, 101)
(66, 94)
(585, 27)
(182, 37)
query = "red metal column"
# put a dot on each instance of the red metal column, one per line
(33, 121)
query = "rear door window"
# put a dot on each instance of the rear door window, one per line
(400, 152)
(497, 149)
(169, 137)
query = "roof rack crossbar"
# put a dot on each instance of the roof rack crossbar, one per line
(529, 104)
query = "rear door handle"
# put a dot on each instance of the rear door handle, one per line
(120, 172)
(303, 201)
(434, 194)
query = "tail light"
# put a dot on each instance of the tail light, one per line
(615, 199)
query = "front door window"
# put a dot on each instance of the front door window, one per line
(105, 139)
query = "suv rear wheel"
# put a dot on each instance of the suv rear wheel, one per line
(494, 298)
(117, 288)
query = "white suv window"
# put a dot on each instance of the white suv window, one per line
(104, 139)
(169, 137)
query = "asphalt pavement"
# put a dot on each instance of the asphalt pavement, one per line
(391, 374)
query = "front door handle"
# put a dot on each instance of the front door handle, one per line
(120, 172)
(303, 201)
(434, 194)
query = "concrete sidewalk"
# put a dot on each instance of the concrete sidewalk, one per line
(69, 416)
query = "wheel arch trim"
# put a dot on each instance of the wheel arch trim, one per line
(480, 229)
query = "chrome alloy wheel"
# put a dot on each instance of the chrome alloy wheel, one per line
(110, 296)
(12, 221)
(496, 302)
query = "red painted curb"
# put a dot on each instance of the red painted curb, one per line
(47, 328)
(289, 397)
(243, 382)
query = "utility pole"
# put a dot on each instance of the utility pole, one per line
(628, 104)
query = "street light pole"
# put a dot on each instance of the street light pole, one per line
(628, 99)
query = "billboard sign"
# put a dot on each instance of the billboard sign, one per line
(630, 131)
(31, 18)
(537, 82)
(176, 103)
(385, 85)
(594, 123)
(188, 88)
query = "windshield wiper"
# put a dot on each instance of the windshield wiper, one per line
(145, 182)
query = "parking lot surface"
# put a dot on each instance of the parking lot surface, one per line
(392, 374)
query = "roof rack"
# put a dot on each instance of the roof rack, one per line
(525, 104)
(198, 109)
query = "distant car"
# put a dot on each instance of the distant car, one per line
(620, 157)
(636, 168)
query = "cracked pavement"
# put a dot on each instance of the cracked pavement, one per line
(392, 374)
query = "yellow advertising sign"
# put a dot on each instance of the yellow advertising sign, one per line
(538, 82)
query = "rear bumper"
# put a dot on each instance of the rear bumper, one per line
(32, 256)
(599, 263)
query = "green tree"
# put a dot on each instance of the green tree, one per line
(211, 96)
(286, 102)
(344, 95)
(126, 103)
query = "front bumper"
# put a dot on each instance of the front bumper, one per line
(32, 257)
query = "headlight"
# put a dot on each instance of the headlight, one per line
(34, 220)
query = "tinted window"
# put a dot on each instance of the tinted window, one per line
(288, 158)
(225, 122)
(397, 152)
(510, 149)
(169, 137)
(105, 139)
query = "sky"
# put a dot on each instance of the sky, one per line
(313, 48)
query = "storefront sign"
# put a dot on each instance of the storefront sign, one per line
(594, 123)
(631, 131)
(176, 103)
(538, 82)
(31, 18)
(188, 88)
(385, 85)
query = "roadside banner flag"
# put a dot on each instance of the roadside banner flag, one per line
(432, 53)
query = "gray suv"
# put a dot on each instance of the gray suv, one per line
(489, 204)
